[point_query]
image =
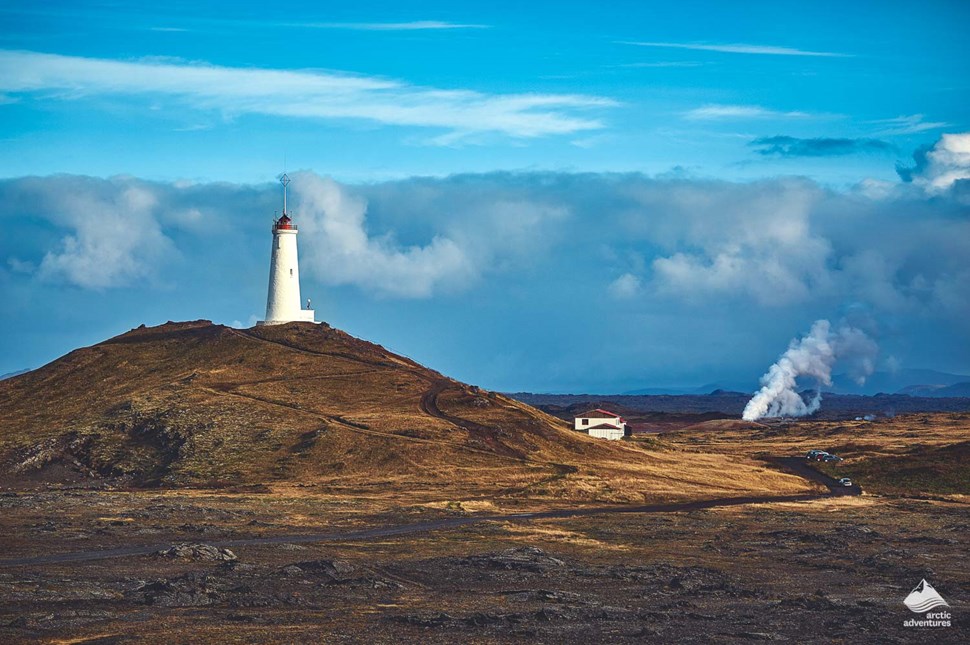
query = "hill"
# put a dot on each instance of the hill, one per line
(939, 391)
(903, 381)
(916, 382)
(198, 404)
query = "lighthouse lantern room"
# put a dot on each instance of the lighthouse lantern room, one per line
(283, 302)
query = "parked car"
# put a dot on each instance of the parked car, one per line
(831, 458)
(820, 456)
(845, 481)
(811, 454)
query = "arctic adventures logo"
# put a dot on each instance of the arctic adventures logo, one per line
(924, 599)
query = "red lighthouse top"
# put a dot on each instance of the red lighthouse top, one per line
(284, 222)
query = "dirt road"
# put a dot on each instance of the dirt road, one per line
(404, 529)
(799, 466)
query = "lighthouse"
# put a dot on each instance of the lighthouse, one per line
(283, 302)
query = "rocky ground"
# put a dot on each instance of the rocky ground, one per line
(830, 570)
(316, 562)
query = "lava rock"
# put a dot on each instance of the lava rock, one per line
(528, 558)
(190, 590)
(205, 552)
(542, 595)
(330, 570)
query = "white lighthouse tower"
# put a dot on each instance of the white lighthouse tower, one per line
(283, 303)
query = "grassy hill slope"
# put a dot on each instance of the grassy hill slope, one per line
(197, 404)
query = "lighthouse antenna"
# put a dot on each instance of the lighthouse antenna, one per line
(284, 180)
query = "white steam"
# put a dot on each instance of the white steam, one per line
(812, 356)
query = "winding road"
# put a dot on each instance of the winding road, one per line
(405, 529)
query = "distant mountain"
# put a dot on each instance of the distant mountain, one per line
(834, 406)
(938, 391)
(12, 374)
(915, 382)
(957, 389)
(898, 382)
(709, 388)
(660, 391)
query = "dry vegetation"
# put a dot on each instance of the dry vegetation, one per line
(829, 570)
(197, 404)
(304, 450)
(912, 454)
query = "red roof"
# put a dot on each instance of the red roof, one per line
(599, 414)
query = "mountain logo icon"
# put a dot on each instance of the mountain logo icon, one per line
(924, 598)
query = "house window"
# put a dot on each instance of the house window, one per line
(585, 422)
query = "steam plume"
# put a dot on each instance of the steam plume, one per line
(812, 356)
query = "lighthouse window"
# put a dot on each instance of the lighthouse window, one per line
(291, 271)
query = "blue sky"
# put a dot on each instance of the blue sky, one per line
(545, 196)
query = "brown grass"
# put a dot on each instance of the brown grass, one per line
(913, 454)
(197, 404)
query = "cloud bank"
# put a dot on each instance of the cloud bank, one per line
(553, 281)
(770, 243)
(309, 94)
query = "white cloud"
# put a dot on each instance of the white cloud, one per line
(116, 239)
(770, 244)
(876, 189)
(739, 48)
(911, 124)
(625, 287)
(480, 237)
(947, 163)
(19, 266)
(716, 111)
(753, 241)
(338, 249)
(593, 141)
(298, 94)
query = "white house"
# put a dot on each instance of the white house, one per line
(602, 424)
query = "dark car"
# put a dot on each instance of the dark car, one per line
(831, 459)
(812, 453)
